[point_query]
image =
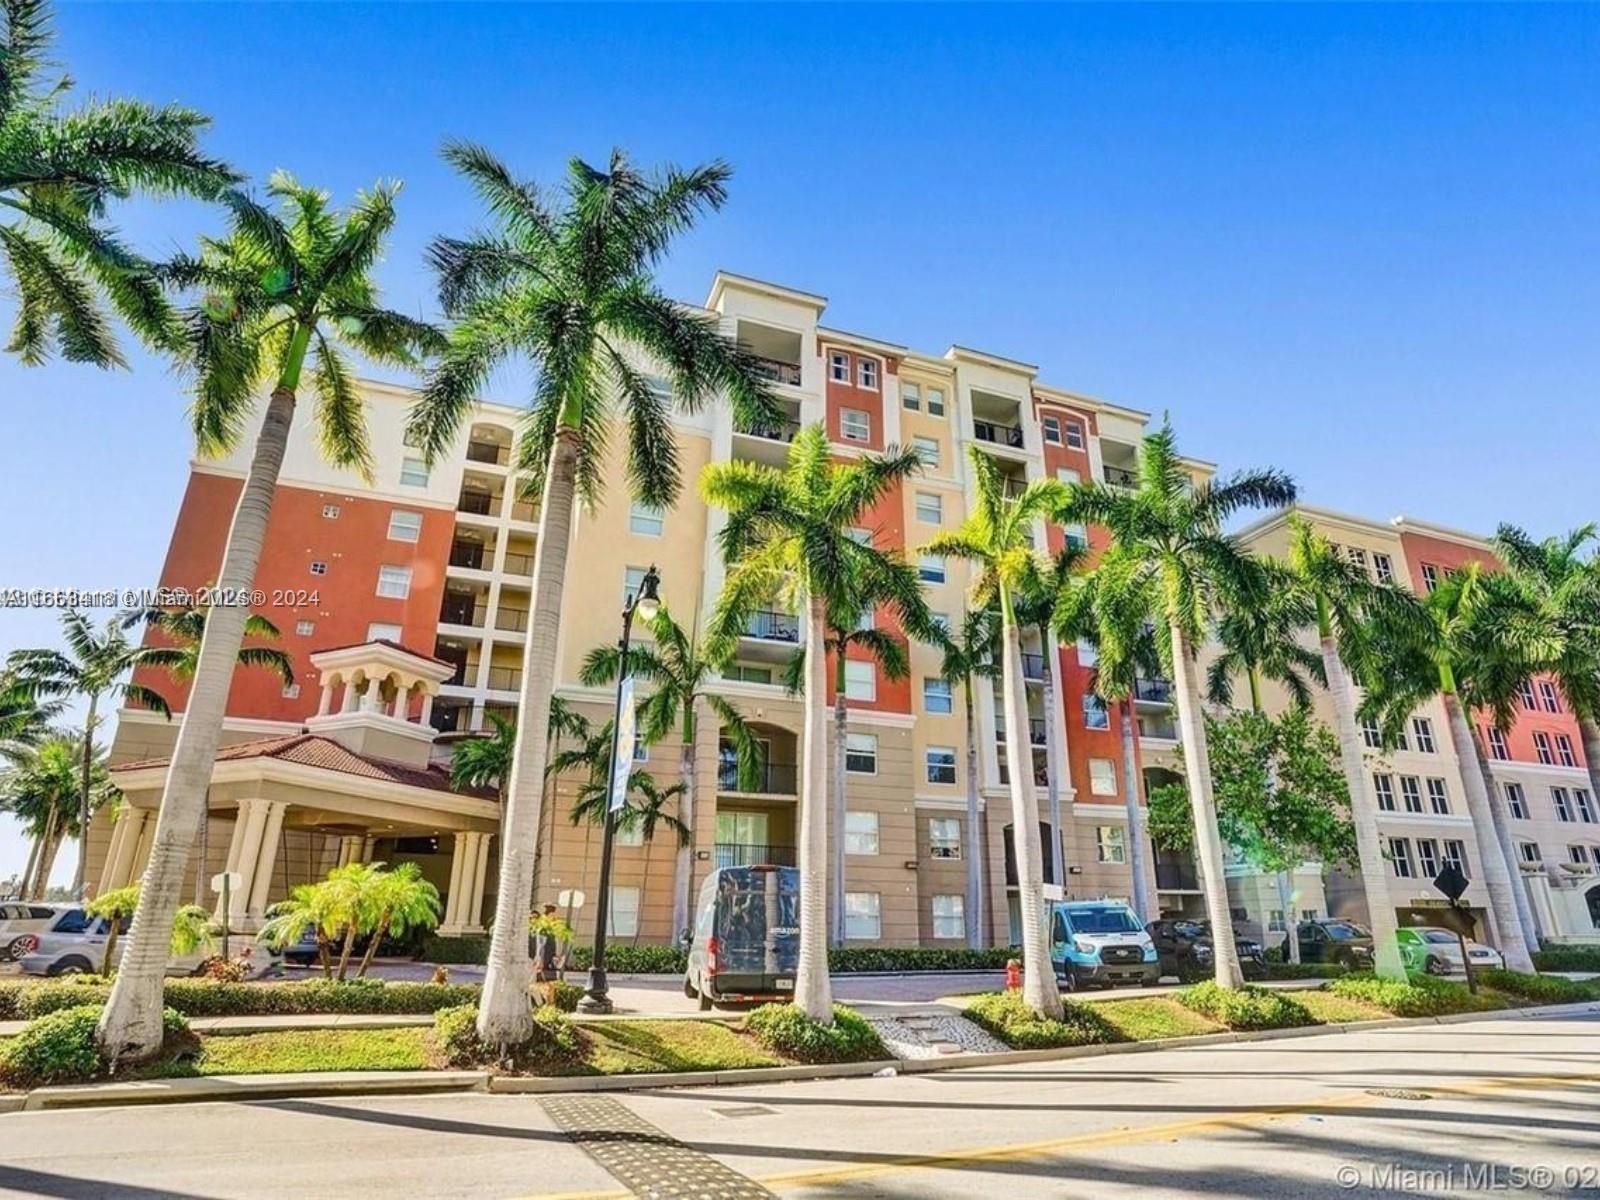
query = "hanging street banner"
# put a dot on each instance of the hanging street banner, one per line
(627, 732)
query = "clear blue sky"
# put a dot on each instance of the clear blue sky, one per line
(1358, 243)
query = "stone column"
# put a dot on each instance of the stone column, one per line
(266, 859)
(351, 696)
(452, 898)
(325, 704)
(141, 856)
(124, 845)
(254, 819)
(480, 877)
(427, 708)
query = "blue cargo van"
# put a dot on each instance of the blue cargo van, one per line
(1100, 942)
(745, 944)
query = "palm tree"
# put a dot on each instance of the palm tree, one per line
(996, 537)
(403, 900)
(116, 906)
(24, 716)
(1170, 561)
(967, 656)
(648, 814)
(40, 789)
(680, 670)
(1566, 586)
(592, 756)
(486, 761)
(96, 665)
(308, 906)
(569, 287)
(788, 537)
(59, 173)
(278, 288)
(1471, 641)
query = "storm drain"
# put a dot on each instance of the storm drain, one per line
(642, 1158)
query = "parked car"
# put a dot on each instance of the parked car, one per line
(1332, 940)
(1100, 942)
(75, 944)
(21, 921)
(1184, 948)
(1432, 950)
(745, 944)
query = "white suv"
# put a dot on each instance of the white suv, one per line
(21, 921)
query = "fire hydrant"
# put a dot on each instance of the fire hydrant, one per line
(1013, 975)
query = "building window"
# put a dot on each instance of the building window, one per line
(861, 753)
(1430, 577)
(1371, 735)
(624, 918)
(1052, 430)
(930, 568)
(632, 581)
(1383, 567)
(1074, 432)
(941, 764)
(1108, 844)
(1422, 730)
(935, 402)
(949, 917)
(1525, 694)
(1455, 855)
(927, 449)
(331, 511)
(1578, 855)
(394, 582)
(291, 691)
(860, 681)
(944, 835)
(1585, 804)
(1497, 744)
(860, 833)
(1428, 857)
(867, 373)
(1547, 692)
(1562, 802)
(1357, 557)
(911, 397)
(405, 526)
(1068, 476)
(646, 519)
(1400, 857)
(304, 628)
(743, 673)
(861, 920)
(1529, 853)
(1541, 745)
(855, 425)
(1095, 715)
(319, 568)
(383, 631)
(1077, 535)
(1516, 801)
(1438, 796)
(1383, 786)
(1102, 777)
(936, 696)
(414, 472)
(1564, 750)
(839, 367)
(930, 507)
(1088, 653)
(940, 621)
(1411, 792)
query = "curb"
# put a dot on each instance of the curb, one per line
(244, 1088)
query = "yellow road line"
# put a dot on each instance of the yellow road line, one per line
(957, 1160)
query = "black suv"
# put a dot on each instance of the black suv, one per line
(1185, 948)
(1332, 940)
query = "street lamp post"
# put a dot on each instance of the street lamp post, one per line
(646, 603)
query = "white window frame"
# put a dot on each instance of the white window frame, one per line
(867, 374)
(932, 769)
(1383, 791)
(1411, 794)
(629, 909)
(951, 923)
(401, 528)
(863, 840)
(1427, 858)
(632, 581)
(930, 508)
(1498, 750)
(1455, 855)
(394, 582)
(860, 681)
(1564, 754)
(855, 424)
(1561, 802)
(932, 568)
(1547, 693)
(1438, 795)
(1529, 852)
(1400, 859)
(1050, 425)
(1516, 801)
(863, 916)
(944, 838)
(414, 472)
(1072, 433)
(305, 628)
(1584, 803)
(910, 396)
(384, 631)
(1371, 734)
(1102, 777)
(937, 697)
(646, 519)
(1422, 731)
(1095, 713)
(1110, 844)
(330, 511)
(318, 567)
(838, 366)
(1383, 567)
(927, 449)
(936, 402)
(860, 747)
(1541, 747)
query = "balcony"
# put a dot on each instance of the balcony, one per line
(1120, 477)
(525, 510)
(519, 564)
(448, 717)
(997, 434)
(1033, 667)
(1177, 877)
(778, 431)
(455, 654)
(505, 679)
(462, 610)
(1158, 728)
(733, 854)
(1152, 691)
(778, 371)
(478, 503)
(769, 779)
(469, 554)
(511, 620)
(773, 626)
(1035, 729)
(488, 452)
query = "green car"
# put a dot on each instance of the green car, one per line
(1431, 950)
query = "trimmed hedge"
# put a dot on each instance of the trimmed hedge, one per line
(1567, 958)
(1419, 996)
(1245, 1007)
(785, 1029)
(669, 960)
(60, 1047)
(1285, 970)
(555, 1041)
(205, 998)
(1541, 989)
(1006, 1016)
(456, 950)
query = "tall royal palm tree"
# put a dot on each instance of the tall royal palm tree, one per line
(1470, 642)
(996, 538)
(1170, 561)
(59, 173)
(281, 287)
(566, 283)
(967, 655)
(789, 538)
(680, 668)
(97, 665)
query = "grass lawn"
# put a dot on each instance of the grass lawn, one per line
(303, 1050)
(1331, 1010)
(1157, 1017)
(630, 1047)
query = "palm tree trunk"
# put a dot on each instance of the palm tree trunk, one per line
(47, 865)
(347, 949)
(836, 879)
(683, 867)
(39, 867)
(204, 852)
(378, 935)
(1489, 827)
(1363, 814)
(1052, 761)
(79, 875)
(813, 990)
(977, 932)
(1508, 850)
(1135, 811)
(324, 956)
(130, 1026)
(1208, 842)
(25, 880)
(1291, 940)
(111, 945)
(504, 1015)
(644, 890)
(1039, 990)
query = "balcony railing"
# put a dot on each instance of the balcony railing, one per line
(467, 554)
(505, 679)
(1120, 476)
(512, 620)
(524, 510)
(773, 626)
(1000, 435)
(1162, 728)
(453, 612)
(1033, 666)
(774, 779)
(1157, 691)
(734, 854)
(1177, 877)
(460, 664)
(778, 371)
(780, 431)
(519, 564)
(449, 718)
(479, 503)
(488, 452)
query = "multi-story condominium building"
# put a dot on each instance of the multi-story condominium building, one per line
(404, 602)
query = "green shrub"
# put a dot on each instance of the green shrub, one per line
(1568, 958)
(456, 950)
(631, 960)
(1542, 989)
(785, 1029)
(38, 999)
(1420, 996)
(1245, 1007)
(1288, 970)
(564, 995)
(555, 1041)
(912, 958)
(60, 1047)
(1006, 1016)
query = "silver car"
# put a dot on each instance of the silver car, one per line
(75, 944)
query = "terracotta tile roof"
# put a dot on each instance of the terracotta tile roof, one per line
(313, 750)
(404, 649)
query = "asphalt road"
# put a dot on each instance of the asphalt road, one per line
(1280, 1119)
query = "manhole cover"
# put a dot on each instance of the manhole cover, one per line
(1398, 1094)
(734, 1112)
